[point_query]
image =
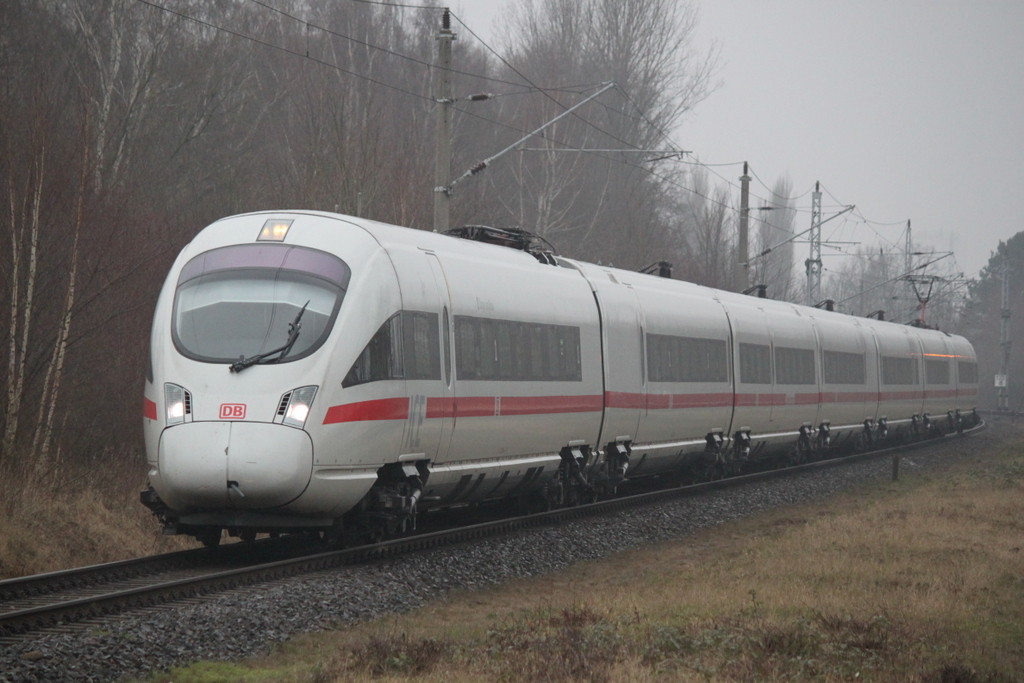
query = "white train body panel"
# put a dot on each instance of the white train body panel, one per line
(482, 365)
(849, 391)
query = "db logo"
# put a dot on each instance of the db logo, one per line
(232, 411)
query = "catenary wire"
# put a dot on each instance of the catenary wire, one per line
(532, 87)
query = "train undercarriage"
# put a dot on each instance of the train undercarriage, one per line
(395, 502)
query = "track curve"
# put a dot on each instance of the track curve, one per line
(34, 603)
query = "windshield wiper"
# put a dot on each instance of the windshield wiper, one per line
(293, 334)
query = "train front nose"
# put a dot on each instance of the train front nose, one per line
(244, 465)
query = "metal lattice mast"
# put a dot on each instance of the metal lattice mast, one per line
(1004, 340)
(813, 263)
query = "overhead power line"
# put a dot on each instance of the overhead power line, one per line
(415, 60)
(528, 87)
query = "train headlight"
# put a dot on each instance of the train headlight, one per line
(298, 406)
(177, 403)
(274, 231)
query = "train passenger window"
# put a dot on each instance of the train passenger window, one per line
(967, 371)
(899, 370)
(755, 363)
(503, 354)
(487, 349)
(421, 345)
(794, 366)
(554, 357)
(841, 367)
(467, 350)
(405, 347)
(538, 343)
(686, 359)
(936, 371)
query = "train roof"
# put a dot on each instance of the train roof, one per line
(387, 234)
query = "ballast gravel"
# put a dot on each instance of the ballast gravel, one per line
(250, 621)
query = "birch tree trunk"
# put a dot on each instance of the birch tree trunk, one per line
(21, 311)
(55, 371)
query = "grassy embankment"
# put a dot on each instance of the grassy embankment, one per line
(917, 580)
(85, 518)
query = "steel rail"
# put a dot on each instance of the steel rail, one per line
(22, 621)
(37, 586)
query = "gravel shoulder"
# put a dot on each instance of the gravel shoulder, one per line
(251, 621)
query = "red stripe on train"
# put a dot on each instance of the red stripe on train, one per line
(492, 406)
(547, 405)
(622, 399)
(148, 408)
(381, 409)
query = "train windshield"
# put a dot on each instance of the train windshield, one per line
(238, 302)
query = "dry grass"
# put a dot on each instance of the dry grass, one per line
(920, 580)
(88, 517)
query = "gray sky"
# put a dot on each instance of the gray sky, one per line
(911, 109)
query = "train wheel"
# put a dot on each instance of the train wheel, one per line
(247, 535)
(209, 537)
(864, 443)
(714, 472)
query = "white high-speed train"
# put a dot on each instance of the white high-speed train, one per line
(312, 371)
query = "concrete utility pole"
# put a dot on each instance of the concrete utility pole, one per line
(1003, 380)
(813, 263)
(443, 101)
(908, 265)
(743, 244)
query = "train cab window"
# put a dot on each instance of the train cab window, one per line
(841, 367)
(794, 366)
(405, 347)
(491, 349)
(899, 370)
(686, 359)
(936, 371)
(755, 363)
(241, 301)
(382, 357)
(967, 371)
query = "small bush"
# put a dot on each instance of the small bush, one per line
(383, 656)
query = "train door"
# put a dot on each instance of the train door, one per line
(623, 350)
(774, 397)
(753, 382)
(443, 408)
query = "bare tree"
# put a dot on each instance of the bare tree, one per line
(605, 205)
(704, 228)
(773, 265)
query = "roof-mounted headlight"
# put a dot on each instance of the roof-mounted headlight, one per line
(274, 231)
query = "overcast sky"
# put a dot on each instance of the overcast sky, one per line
(910, 110)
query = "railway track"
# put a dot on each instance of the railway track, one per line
(59, 600)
